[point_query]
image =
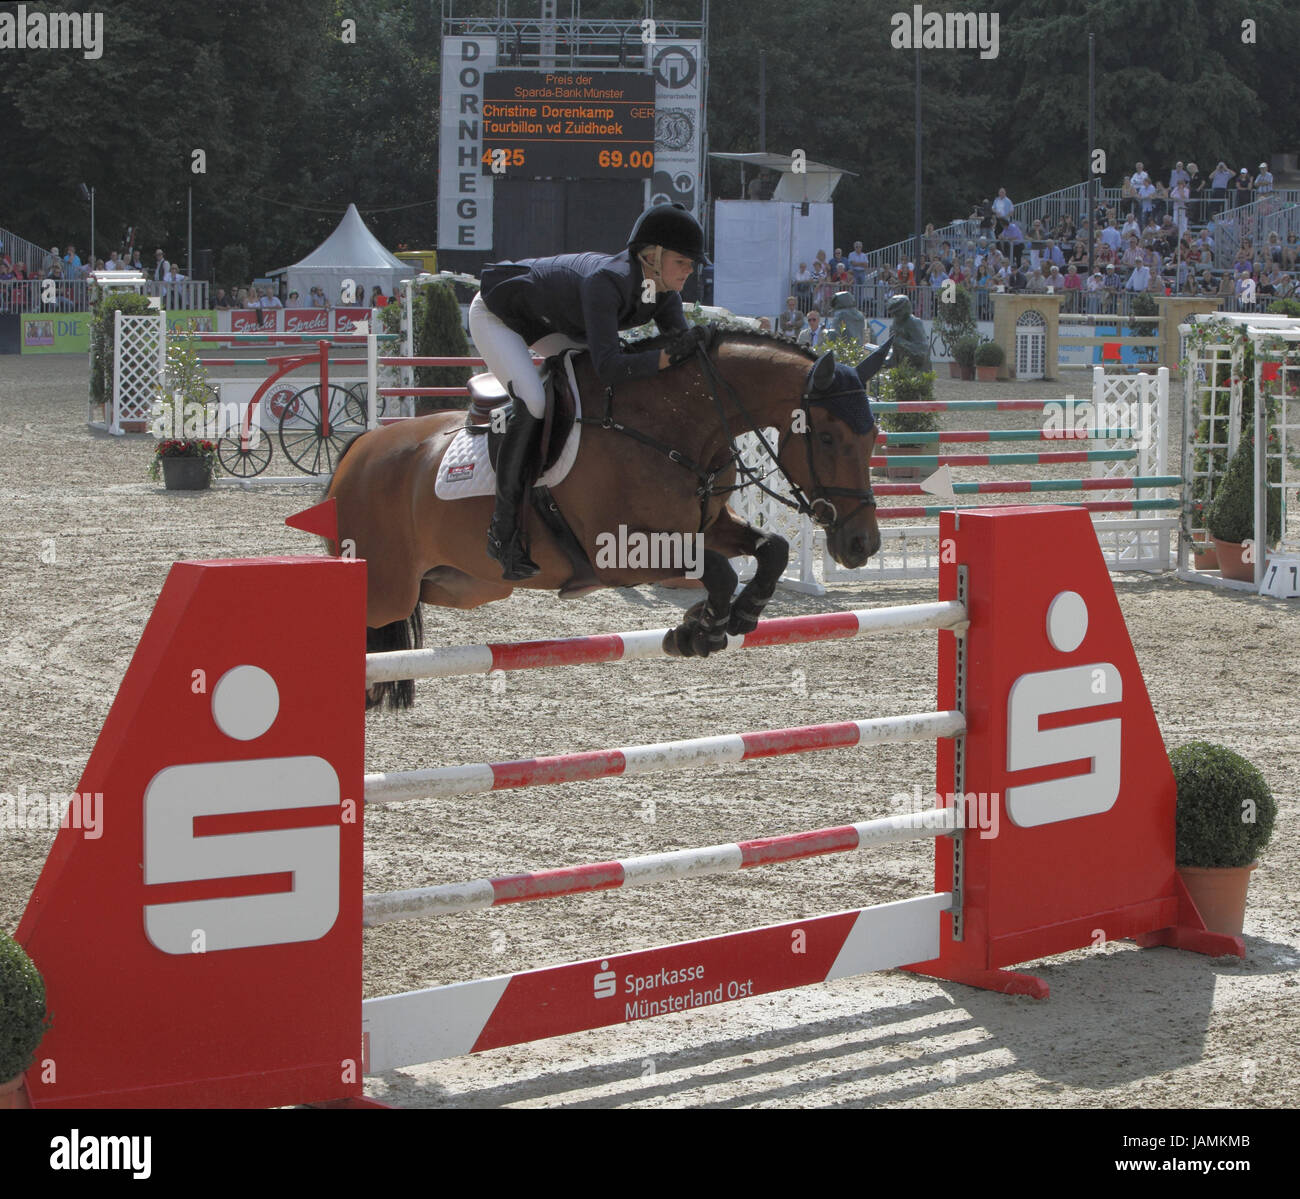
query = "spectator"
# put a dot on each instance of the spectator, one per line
(1111, 281)
(1227, 284)
(110, 263)
(1002, 210)
(1139, 178)
(1036, 285)
(254, 299)
(1177, 175)
(1146, 195)
(1220, 178)
(1014, 240)
(791, 320)
(175, 293)
(803, 283)
(1095, 291)
(859, 261)
(318, 298)
(161, 267)
(1274, 248)
(270, 299)
(72, 264)
(1180, 196)
(1111, 236)
(1131, 228)
(1198, 188)
(1243, 189)
(295, 301)
(1052, 255)
(136, 264)
(811, 334)
(1056, 282)
(223, 300)
(1263, 181)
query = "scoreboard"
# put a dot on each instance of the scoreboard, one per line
(568, 124)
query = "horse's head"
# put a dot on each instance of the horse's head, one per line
(827, 449)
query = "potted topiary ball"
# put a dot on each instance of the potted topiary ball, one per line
(963, 354)
(22, 1018)
(989, 358)
(1225, 818)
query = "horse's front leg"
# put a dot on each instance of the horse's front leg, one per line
(704, 628)
(771, 552)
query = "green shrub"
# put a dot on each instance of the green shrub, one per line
(1231, 514)
(964, 351)
(102, 327)
(438, 334)
(1225, 809)
(990, 353)
(22, 1009)
(1285, 307)
(905, 384)
(956, 320)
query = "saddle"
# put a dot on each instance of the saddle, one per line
(487, 395)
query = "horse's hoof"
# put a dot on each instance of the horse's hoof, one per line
(670, 644)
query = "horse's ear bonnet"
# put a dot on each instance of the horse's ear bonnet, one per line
(841, 390)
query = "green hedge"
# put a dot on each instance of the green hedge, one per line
(101, 339)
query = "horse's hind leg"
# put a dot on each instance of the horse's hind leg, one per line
(705, 627)
(770, 551)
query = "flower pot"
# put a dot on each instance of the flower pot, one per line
(954, 371)
(1230, 564)
(986, 374)
(1204, 555)
(186, 474)
(968, 373)
(901, 471)
(1219, 893)
(13, 1095)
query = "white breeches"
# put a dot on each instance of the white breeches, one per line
(509, 358)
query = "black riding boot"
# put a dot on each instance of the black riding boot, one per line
(505, 541)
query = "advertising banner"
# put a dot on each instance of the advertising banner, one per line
(51, 333)
(464, 194)
(679, 126)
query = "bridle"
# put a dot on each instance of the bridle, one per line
(816, 503)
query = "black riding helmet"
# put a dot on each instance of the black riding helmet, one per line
(670, 226)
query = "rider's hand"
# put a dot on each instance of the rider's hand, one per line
(683, 345)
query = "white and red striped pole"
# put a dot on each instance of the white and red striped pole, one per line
(727, 748)
(648, 643)
(650, 869)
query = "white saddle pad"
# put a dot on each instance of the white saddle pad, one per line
(466, 471)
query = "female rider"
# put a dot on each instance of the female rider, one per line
(585, 298)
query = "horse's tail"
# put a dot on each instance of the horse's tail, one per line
(401, 634)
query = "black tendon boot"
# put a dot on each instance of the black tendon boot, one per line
(505, 541)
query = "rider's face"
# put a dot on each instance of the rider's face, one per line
(675, 269)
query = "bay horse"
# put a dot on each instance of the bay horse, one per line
(419, 548)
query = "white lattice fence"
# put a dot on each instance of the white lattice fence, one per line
(139, 360)
(1134, 408)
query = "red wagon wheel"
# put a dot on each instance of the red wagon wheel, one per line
(303, 435)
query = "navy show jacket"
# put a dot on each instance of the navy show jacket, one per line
(589, 297)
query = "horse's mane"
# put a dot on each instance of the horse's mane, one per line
(755, 337)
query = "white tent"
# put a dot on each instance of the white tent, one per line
(353, 253)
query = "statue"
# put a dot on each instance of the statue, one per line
(911, 346)
(845, 316)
